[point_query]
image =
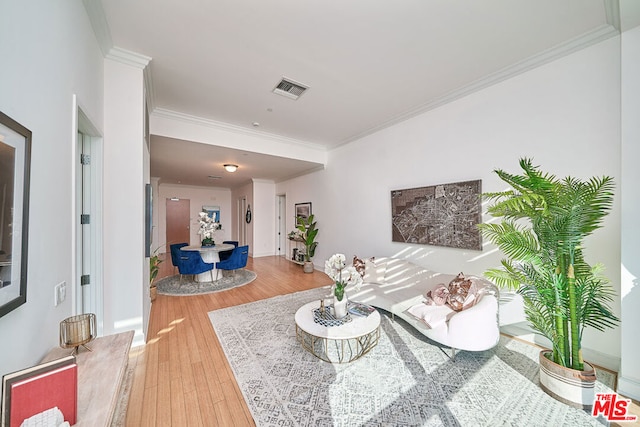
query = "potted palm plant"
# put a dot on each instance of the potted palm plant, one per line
(544, 223)
(308, 232)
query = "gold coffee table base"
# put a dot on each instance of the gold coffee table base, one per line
(338, 350)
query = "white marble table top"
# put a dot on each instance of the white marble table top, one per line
(359, 325)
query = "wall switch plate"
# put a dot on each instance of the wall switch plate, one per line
(59, 293)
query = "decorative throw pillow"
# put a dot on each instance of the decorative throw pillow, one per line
(359, 265)
(458, 292)
(438, 295)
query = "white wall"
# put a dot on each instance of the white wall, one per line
(245, 191)
(48, 53)
(264, 218)
(198, 197)
(629, 380)
(126, 270)
(564, 114)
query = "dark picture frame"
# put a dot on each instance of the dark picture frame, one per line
(303, 210)
(15, 168)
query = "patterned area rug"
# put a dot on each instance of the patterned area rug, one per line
(171, 285)
(406, 380)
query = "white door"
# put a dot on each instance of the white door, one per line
(88, 280)
(281, 226)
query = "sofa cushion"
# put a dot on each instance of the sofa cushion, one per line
(438, 295)
(360, 265)
(432, 316)
(458, 292)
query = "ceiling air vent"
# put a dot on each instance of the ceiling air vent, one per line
(290, 89)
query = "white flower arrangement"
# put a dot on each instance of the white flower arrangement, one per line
(207, 226)
(343, 276)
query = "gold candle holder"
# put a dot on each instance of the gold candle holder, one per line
(76, 331)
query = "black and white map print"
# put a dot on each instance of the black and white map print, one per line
(438, 215)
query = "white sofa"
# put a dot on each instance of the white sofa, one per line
(396, 285)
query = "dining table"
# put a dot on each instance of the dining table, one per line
(209, 254)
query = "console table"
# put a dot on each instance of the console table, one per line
(100, 375)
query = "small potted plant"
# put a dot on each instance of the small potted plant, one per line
(154, 268)
(544, 223)
(308, 232)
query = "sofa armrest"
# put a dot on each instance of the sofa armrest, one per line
(476, 328)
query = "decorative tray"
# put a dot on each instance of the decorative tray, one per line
(326, 317)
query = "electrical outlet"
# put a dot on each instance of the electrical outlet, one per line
(59, 293)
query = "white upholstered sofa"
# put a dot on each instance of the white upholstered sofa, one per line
(397, 285)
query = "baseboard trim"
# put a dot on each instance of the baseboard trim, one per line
(629, 388)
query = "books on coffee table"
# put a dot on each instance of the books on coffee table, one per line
(360, 309)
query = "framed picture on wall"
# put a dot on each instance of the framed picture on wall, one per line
(15, 161)
(212, 212)
(303, 210)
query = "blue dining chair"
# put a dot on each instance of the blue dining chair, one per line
(175, 253)
(224, 255)
(190, 262)
(237, 259)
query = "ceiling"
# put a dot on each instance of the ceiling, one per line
(368, 64)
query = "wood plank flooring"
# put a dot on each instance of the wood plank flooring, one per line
(181, 375)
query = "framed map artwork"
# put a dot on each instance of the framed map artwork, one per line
(438, 215)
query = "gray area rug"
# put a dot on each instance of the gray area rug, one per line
(406, 380)
(171, 285)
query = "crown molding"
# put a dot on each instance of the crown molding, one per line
(597, 35)
(187, 118)
(100, 25)
(103, 35)
(127, 57)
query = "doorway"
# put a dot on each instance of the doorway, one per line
(88, 287)
(242, 222)
(178, 228)
(281, 226)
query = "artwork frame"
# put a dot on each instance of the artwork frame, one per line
(303, 210)
(438, 215)
(212, 212)
(15, 172)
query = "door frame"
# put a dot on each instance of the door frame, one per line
(95, 298)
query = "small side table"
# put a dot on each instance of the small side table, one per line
(337, 344)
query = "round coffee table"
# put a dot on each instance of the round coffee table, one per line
(337, 344)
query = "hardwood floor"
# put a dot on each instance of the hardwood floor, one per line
(181, 376)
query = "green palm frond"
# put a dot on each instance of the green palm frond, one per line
(544, 223)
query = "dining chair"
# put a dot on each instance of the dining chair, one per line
(175, 253)
(237, 259)
(224, 255)
(190, 262)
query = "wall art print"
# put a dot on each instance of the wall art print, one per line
(15, 162)
(439, 215)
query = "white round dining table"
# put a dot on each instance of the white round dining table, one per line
(209, 254)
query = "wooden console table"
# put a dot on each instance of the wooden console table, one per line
(100, 375)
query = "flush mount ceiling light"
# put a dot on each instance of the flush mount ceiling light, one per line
(230, 168)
